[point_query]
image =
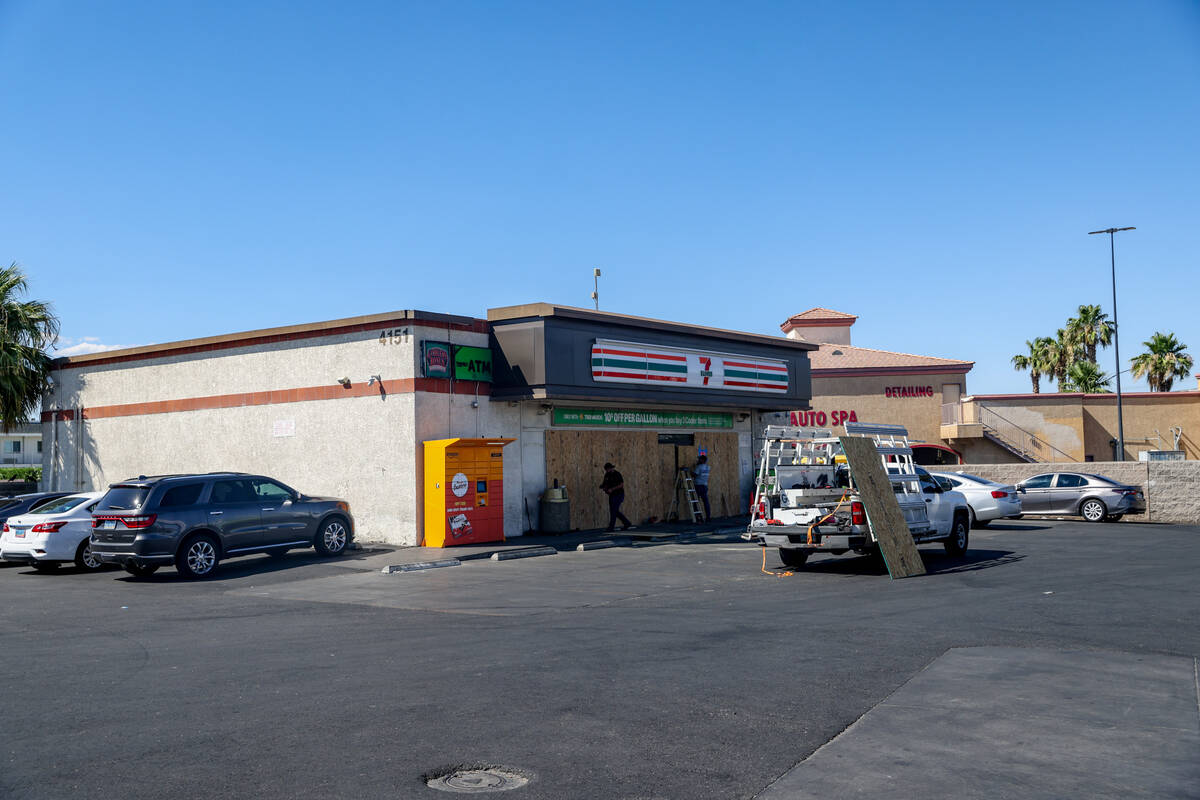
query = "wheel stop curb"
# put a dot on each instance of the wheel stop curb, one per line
(505, 555)
(423, 565)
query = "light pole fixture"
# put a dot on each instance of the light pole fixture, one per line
(1112, 251)
(596, 287)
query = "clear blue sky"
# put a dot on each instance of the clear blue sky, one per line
(176, 170)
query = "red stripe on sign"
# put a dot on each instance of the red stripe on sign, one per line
(637, 375)
(773, 387)
(755, 366)
(610, 352)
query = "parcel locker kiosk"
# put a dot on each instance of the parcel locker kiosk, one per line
(464, 491)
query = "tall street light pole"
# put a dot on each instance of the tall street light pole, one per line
(1112, 251)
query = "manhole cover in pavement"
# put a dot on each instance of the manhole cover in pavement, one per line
(471, 780)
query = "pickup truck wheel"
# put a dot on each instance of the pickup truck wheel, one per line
(1093, 510)
(198, 557)
(332, 538)
(960, 534)
(792, 557)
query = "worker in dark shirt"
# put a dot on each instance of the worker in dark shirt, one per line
(614, 487)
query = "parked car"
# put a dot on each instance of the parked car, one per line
(194, 521)
(24, 503)
(988, 500)
(54, 533)
(1093, 497)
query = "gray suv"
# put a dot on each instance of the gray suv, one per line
(194, 521)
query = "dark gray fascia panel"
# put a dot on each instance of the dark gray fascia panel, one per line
(549, 358)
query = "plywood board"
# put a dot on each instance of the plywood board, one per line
(576, 458)
(883, 511)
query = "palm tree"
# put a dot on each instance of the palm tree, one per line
(1037, 361)
(1091, 328)
(1086, 377)
(1060, 353)
(27, 328)
(1165, 360)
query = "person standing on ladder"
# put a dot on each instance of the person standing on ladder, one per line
(700, 479)
(614, 487)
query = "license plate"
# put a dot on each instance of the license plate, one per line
(108, 524)
(20, 535)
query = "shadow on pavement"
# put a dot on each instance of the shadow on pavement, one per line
(249, 567)
(936, 563)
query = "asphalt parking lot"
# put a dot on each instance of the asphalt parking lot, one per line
(1056, 659)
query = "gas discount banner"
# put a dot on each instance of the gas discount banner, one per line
(630, 362)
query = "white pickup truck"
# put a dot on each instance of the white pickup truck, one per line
(806, 500)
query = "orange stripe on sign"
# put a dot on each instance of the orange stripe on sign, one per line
(275, 397)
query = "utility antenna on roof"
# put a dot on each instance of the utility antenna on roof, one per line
(596, 287)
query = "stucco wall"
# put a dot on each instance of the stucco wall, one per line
(867, 398)
(362, 448)
(1172, 488)
(1086, 425)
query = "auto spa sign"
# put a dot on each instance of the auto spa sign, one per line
(656, 365)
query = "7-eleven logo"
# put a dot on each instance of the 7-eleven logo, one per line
(705, 368)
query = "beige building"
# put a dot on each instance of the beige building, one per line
(344, 407)
(21, 446)
(861, 384)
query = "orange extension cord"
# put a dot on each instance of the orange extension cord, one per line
(788, 573)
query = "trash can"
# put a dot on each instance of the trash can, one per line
(555, 511)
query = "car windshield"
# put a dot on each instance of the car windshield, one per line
(123, 498)
(61, 504)
(9, 502)
(978, 479)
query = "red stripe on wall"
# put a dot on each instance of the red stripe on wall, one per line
(277, 397)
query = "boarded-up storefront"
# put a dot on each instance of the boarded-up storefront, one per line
(576, 458)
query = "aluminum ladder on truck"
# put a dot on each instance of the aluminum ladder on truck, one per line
(787, 444)
(891, 442)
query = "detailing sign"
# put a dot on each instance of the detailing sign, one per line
(656, 365)
(642, 419)
(435, 359)
(908, 391)
(473, 363)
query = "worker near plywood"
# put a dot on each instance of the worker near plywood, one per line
(614, 487)
(700, 480)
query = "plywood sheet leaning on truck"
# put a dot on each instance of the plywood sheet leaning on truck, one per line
(883, 511)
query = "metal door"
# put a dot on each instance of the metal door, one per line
(284, 521)
(1068, 491)
(233, 512)
(1036, 494)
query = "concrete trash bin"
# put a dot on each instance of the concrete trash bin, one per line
(555, 511)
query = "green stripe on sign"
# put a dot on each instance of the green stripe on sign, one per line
(645, 365)
(758, 376)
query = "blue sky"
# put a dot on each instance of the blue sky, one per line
(179, 170)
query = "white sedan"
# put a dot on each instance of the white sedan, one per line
(56, 533)
(988, 500)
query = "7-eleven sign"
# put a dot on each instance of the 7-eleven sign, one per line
(631, 362)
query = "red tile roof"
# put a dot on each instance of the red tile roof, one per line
(833, 358)
(818, 317)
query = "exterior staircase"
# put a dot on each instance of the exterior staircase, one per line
(966, 420)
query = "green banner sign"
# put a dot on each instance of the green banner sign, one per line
(641, 419)
(473, 364)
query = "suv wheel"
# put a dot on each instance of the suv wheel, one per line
(1093, 510)
(198, 557)
(960, 534)
(85, 558)
(332, 538)
(141, 570)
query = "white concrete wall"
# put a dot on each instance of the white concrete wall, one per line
(358, 449)
(363, 449)
(264, 367)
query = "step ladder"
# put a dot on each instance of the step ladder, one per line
(685, 484)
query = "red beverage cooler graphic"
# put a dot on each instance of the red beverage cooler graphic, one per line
(464, 491)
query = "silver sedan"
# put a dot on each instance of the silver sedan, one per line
(1093, 497)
